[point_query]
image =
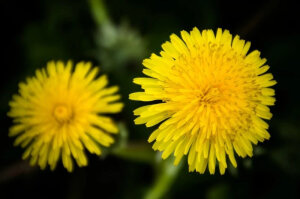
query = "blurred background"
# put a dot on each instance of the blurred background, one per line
(117, 36)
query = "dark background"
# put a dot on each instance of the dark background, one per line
(34, 32)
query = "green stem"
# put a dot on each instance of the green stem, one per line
(99, 12)
(166, 175)
(135, 152)
(166, 172)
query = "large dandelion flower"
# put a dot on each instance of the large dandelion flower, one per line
(212, 99)
(58, 113)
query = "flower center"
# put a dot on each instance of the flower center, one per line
(62, 113)
(211, 95)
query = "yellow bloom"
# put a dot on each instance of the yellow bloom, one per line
(56, 114)
(212, 99)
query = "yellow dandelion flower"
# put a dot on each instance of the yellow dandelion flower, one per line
(212, 99)
(58, 113)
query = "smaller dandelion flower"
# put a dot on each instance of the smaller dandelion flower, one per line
(212, 99)
(58, 113)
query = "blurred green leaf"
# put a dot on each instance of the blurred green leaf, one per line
(118, 46)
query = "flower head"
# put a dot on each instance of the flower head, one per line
(58, 113)
(212, 99)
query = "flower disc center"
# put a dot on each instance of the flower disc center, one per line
(211, 95)
(62, 113)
